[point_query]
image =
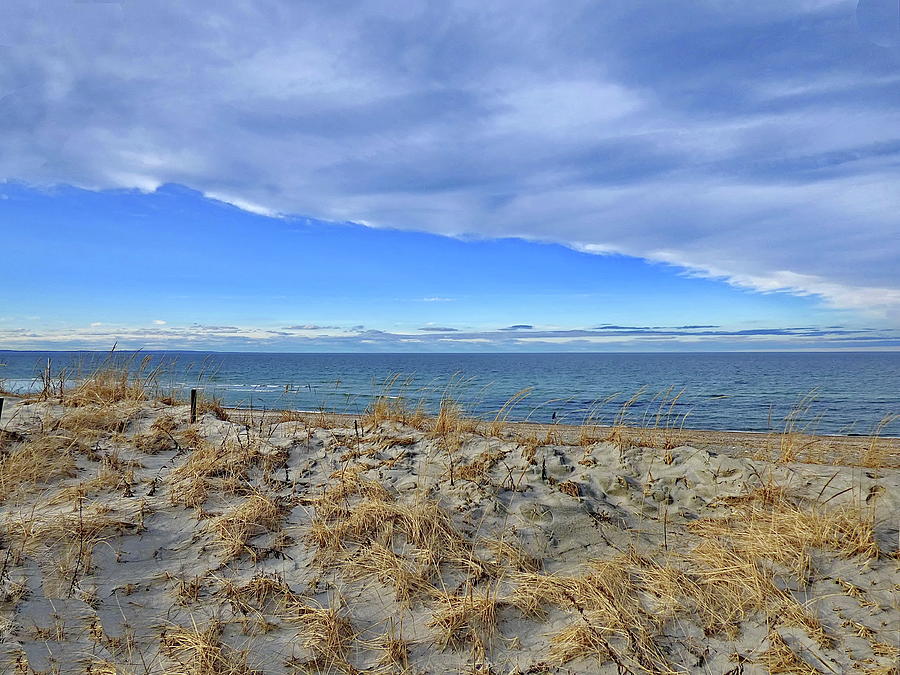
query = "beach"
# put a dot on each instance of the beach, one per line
(135, 541)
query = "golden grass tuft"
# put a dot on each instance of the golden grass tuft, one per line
(112, 475)
(65, 541)
(91, 419)
(780, 658)
(450, 420)
(772, 526)
(478, 469)
(620, 435)
(97, 666)
(255, 515)
(192, 651)
(469, 616)
(207, 404)
(224, 467)
(875, 456)
(325, 633)
(724, 587)
(578, 640)
(498, 424)
(263, 592)
(422, 525)
(410, 578)
(612, 620)
(512, 556)
(394, 653)
(392, 405)
(114, 382)
(159, 438)
(36, 461)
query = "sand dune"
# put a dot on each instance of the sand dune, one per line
(134, 542)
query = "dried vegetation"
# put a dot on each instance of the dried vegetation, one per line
(134, 542)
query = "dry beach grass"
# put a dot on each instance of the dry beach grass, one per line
(132, 541)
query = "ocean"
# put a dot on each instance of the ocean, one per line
(831, 393)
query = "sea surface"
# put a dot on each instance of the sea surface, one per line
(829, 393)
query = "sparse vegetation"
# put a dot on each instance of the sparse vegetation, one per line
(397, 542)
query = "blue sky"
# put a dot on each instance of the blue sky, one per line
(451, 176)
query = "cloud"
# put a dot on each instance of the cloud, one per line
(757, 146)
(606, 338)
(310, 326)
(518, 326)
(438, 329)
(159, 322)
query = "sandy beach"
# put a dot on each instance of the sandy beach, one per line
(132, 541)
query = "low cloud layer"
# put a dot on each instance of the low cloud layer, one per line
(359, 338)
(753, 142)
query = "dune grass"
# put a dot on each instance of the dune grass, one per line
(291, 526)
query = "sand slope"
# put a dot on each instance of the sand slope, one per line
(132, 542)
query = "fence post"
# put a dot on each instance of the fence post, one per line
(193, 405)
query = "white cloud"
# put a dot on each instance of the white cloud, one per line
(242, 204)
(200, 336)
(159, 322)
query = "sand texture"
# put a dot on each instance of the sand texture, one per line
(134, 542)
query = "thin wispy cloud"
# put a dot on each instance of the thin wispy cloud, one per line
(754, 143)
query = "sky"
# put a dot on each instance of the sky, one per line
(454, 176)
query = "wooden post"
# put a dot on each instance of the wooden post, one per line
(193, 405)
(1, 407)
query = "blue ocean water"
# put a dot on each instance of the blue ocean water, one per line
(847, 393)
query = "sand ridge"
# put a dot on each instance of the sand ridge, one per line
(138, 543)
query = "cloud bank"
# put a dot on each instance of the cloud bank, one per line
(753, 142)
(301, 338)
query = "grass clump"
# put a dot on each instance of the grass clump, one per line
(114, 382)
(89, 420)
(360, 527)
(194, 651)
(256, 515)
(42, 460)
(410, 577)
(479, 467)
(394, 651)
(392, 405)
(261, 593)
(64, 541)
(224, 467)
(875, 455)
(766, 525)
(325, 633)
(469, 616)
(612, 622)
(780, 658)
